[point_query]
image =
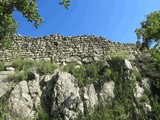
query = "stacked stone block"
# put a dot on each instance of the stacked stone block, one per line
(58, 48)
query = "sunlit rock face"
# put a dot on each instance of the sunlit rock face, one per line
(59, 95)
(66, 99)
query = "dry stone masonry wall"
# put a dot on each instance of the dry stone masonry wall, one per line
(61, 49)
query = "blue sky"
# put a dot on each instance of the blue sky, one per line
(113, 19)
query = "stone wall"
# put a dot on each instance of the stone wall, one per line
(58, 48)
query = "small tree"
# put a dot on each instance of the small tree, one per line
(149, 32)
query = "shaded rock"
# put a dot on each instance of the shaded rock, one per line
(35, 93)
(72, 59)
(64, 64)
(34, 88)
(20, 102)
(86, 59)
(47, 84)
(6, 82)
(33, 76)
(47, 78)
(66, 98)
(107, 92)
(146, 83)
(90, 97)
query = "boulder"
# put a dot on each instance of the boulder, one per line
(146, 82)
(63, 92)
(147, 107)
(25, 99)
(10, 69)
(127, 64)
(90, 97)
(34, 89)
(20, 102)
(138, 91)
(35, 94)
(86, 59)
(107, 92)
(6, 82)
(6, 73)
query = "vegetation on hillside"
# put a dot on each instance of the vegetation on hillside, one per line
(124, 105)
(24, 67)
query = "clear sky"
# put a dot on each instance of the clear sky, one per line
(113, 19)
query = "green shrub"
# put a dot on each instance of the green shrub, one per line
(114, 75)
(155, 108)
(42, 67)
(78, 73)
(17, 63)
(22, 67)
(86, 73)
(21, 75)
(137, 75)
(23, 64)
(156, 58)
(46, 67)
(92, 71)
(115, 111)
(3, 110)
(69, 67)
(119, 55)
(149, 63)
(42, 115)
(107, 73)
(95, 70)
(1, 66)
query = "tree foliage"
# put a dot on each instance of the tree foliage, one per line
(28, 8)
(149, 32)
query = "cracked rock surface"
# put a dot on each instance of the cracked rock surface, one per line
(64, 95)
(60, 95)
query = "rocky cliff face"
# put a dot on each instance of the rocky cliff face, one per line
(60, 95)
(88, 90)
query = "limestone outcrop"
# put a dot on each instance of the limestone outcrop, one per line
(60, 94)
